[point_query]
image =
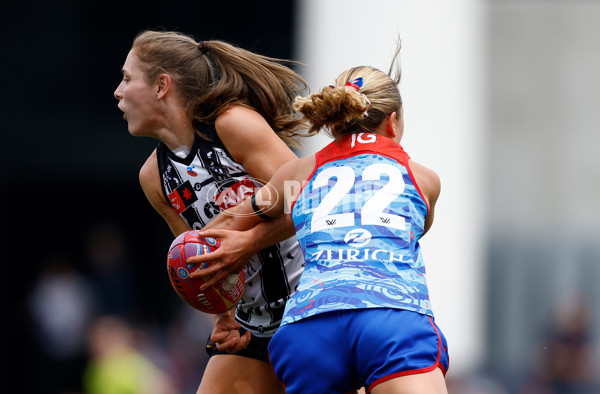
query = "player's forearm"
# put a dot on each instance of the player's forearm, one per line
(273, 231)
(233, 219)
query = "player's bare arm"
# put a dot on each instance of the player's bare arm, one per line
(252, 143)
(150, 182)
(274, 200)
(249, 139)
(430, 185)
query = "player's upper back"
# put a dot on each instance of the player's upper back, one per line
(361, 182)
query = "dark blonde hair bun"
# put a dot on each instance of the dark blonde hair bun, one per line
(346, 108)
(332, 108)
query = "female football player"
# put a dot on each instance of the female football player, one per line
(222, 116)
(361, 316)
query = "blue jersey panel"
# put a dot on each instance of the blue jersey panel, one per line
(359, 220)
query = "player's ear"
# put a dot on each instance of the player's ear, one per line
(163, 85)
(390, 125)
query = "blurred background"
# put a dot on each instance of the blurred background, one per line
(501, 98)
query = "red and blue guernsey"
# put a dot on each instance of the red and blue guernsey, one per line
(358, 219)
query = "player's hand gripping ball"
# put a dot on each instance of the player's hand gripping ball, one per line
(217, 299)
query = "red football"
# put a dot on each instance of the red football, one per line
(217, 299)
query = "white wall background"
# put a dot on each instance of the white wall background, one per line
(544, 100)
(443, 93)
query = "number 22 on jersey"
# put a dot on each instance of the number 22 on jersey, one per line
(372, 211)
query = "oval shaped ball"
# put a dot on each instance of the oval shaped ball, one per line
(216, 299)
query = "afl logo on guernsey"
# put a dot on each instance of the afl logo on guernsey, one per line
(357, 237)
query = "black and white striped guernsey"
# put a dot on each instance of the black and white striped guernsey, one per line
(207, 181)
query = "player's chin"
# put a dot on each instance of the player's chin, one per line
(133, 130)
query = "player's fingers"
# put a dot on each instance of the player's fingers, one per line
(246, 338)
(219, 336)
(241, 344)
(206, 257)
(207, 272)
(210, 282)
(228, 345)
(214, 233)
(231, 325)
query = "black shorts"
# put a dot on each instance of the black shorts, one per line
(257, 348)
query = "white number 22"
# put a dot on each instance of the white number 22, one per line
(372, 210)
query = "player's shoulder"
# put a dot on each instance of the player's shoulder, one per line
(149, 171)
(307, 162)
(427, 179)
(300, 169)
(237, 116)
(420, 168)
